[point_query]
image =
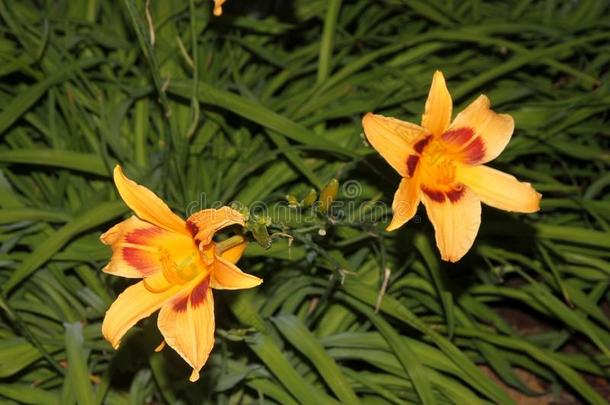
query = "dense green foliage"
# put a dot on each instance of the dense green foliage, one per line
(266, 101)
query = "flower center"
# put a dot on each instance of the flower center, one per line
(436, 169)
(178, 270)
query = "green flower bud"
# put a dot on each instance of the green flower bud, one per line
(328, 194)
(260, 233)
(310, 198)
(292, 200)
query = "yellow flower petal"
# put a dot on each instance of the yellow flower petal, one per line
(227, 276)
(157, 283)
(187, 325)
(218, 7)
(437, 114)
(204, 224)
(160, 347)
(405, 202)
(135, 303)
(234, 253)
(491, 130)
(146, 204)
(392, 138)
(499, 189)
(456, 221)
(136, 244)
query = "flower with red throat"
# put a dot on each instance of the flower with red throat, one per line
(442, 165)
(178, 263)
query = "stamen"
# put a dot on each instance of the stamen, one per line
(229, 243)
(177, 273)
(168, 267)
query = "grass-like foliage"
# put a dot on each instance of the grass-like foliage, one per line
(266, 101)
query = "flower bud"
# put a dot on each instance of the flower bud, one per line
(292, 200)
(328, 194)
(260, 232)
(310, 198)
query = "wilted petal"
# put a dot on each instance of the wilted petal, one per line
(204, 224)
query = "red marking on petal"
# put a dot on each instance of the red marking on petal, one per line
(139, 260)
(412, 161)
(143, 236)
(192, 227)
(199, 293)
(181, 304)
(474, 151)
(458, 136)
(421, 144)
(454, 195)
(434, 195)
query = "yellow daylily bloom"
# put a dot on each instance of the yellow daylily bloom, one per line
(218, 7)
(442, 165)
(178, 263)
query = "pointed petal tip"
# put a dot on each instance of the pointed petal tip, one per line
(227, 276)
(194, 376)
(394, 225)
(146, 204)
(438, 107)
(110, 236)
(501, 190)
(367, 119)
(451, 259)
(117, 172)
(114, 343)
(106, 269)
(536, 205)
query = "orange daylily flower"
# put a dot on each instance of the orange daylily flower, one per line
(442, 165)
(218, 7)
(179, 264)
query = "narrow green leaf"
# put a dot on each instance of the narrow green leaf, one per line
(97, 215)
(405, 354)
(209, 94)
(274, 359)
(78, 372)
(304, 341)
(29, 96)
(26, 394)
(82, 162)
